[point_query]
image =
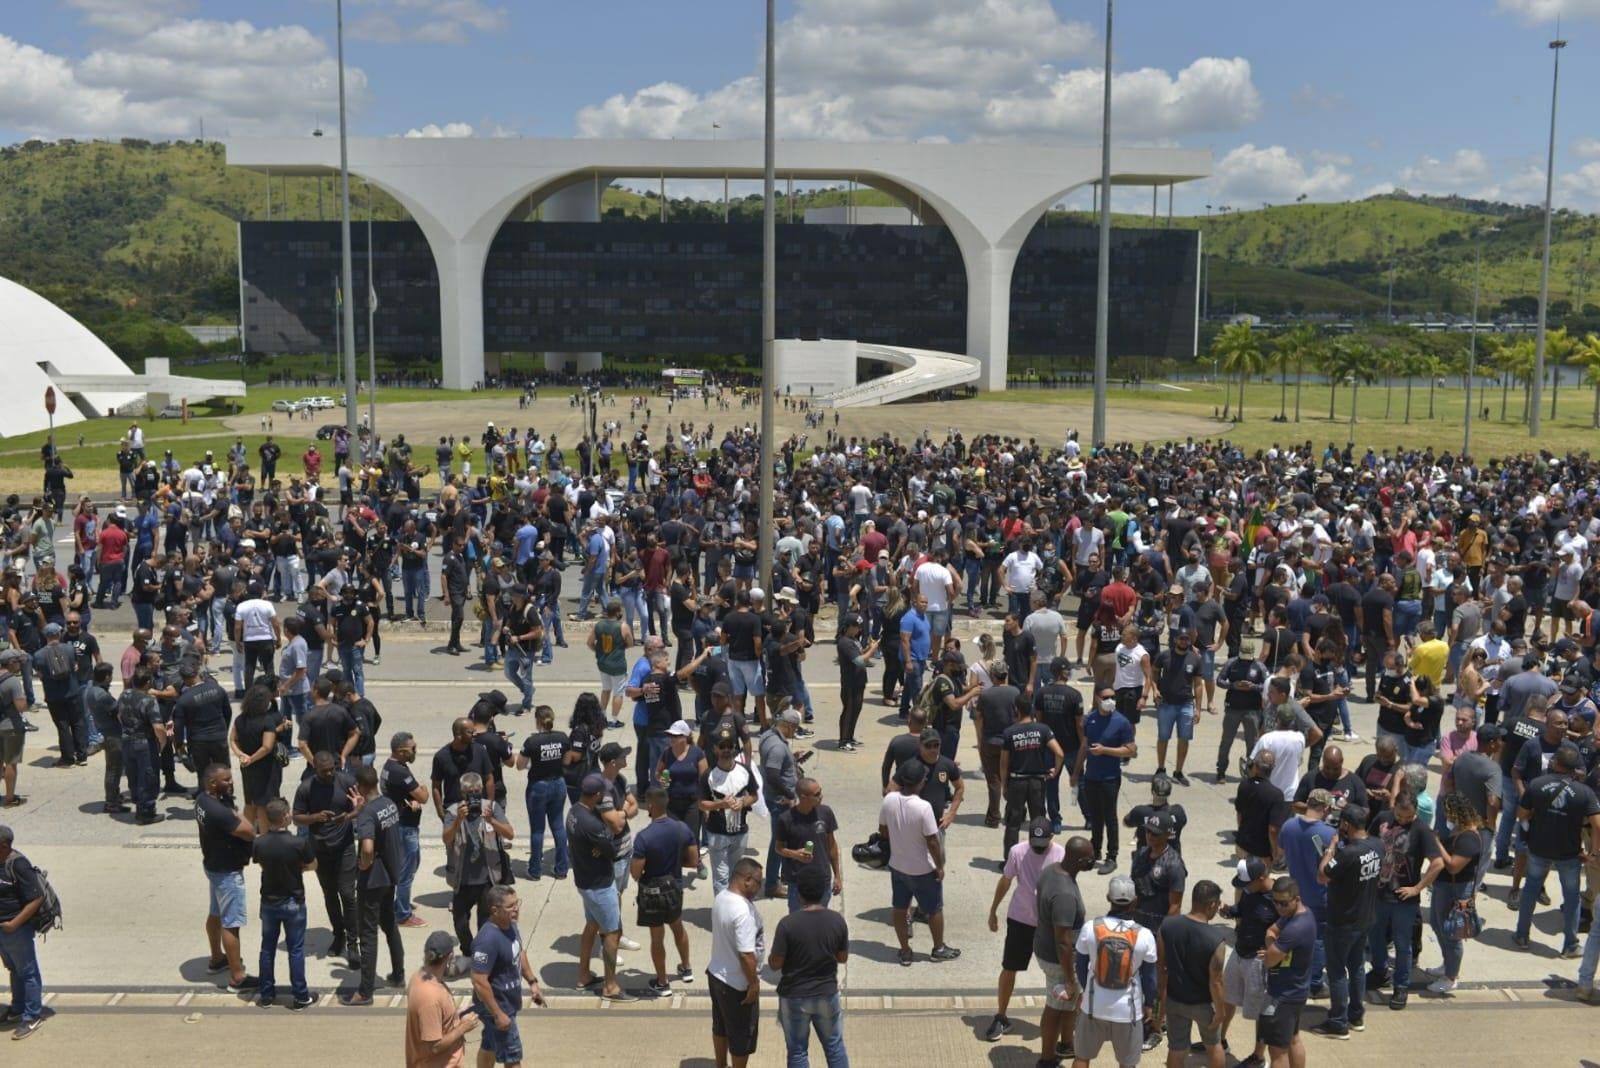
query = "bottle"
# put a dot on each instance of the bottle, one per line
(666, 777)
(811, 850)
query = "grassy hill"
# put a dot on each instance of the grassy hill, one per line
(136, 228)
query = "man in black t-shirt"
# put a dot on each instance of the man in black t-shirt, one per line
(902, 747)
(462, 755)
(1557, 808)
(1350, 869)
(805, 839)
(1261, 810)
(1180, 687)
(1411, 862)
(328, 727)
(996, 712)
(380, 859)
(1376, 615)
(1060, 707)
(324, 805)
(283, 857)
(593, 874)
(225, 839)
(409, 795)
(1029, 757)
(1190, 964)
(352, 625)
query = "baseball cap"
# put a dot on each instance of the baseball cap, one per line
(11, 656)
(247, 543)
(790, 716)
(1175, 590)
(1060, 665)
(1249, 870)
(1160, 823)
(930, 735)
(52, 629)
(593, 783)
(757, 593)
(726, 736)
(911, 773)
(1565, 645)
(680, 729)
(1161, 786)
(1121, 891)
(440, 945)
(612, 751)
(851, 620)
(1039, 835)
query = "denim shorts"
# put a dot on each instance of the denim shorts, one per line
(505, 1045)
(227, 897)
(1179, 716)
(927, 889)
(745, 677)
(603, 908)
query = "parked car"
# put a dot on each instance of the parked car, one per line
(171, 411)
(316, 404)
(287, 406)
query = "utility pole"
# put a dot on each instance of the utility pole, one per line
(347, 270)
(1102, 295)
(769, 311)
(1537, 386)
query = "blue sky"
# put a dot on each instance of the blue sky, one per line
(1327, 101)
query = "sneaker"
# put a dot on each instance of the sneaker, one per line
(1445, 985)
(1107, 866)
(395, 979)
(943, 953)
(1319, 991)
(1502, 864)
(355, 999)
(264, 1002)
(249, 982)
(1180, 778)
(148, 819)
(1377, 980)
(628, 944)
(1352, 736)
(905, 958)
(1331, 1030)
(1358, 1023)
(997, 1029)
(659, 989)
(1222, 776)
(216, 967)
(685, 975)
(413, 920)
(1589, 994)
(1571, 951)
(1397, 1000)
(702, 873)
(26, 1028)
(300, 1005)
(1161, 773)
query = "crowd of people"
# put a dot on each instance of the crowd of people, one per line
(1119, 593)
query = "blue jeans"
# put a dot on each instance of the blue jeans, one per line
(1395, 919)
(1407, 614)
(352, 661)
(1591, 959)
(519, 672)
(798, 1016)
(973, 574)
(486, 638)
(547, 800)
(289, 915)
(1445, 896)
(633, 608)
(1510, 799)
(408, 873)
(1346, 950)
(553, 633)
(911, 687)
(27, 985)
(415, 581)
(725, 850)
(1319, 951)
(1569, 872)
(594, 587)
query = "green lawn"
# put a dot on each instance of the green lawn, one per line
(1380, 418)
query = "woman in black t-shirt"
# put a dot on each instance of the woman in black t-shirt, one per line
(254, 741)
(1463, 846)
(1422, 723)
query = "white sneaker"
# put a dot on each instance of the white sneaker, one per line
(1442, 986)
(1352, 737)
(629, 944)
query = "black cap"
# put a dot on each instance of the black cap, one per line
(612, 751)
(911, 773)
(1160, 823)
(1250, 869)
(1039, 834)
(1060, 665)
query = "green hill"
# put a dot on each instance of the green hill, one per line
(145, 230)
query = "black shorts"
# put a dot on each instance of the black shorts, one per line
(732, 1019)
(1128, 703)
(660, 902)
(1018, 952)
(1279, 1029)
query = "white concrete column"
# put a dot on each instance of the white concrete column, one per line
(989, 311)
(576, 203)
(460, 265)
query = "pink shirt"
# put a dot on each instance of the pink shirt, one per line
(1024, 864)
(1451, 746)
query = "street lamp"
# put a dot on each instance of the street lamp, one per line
(350, 401)
(1472, 348)
(769, 307)
(1102, 293)
(1537, 390)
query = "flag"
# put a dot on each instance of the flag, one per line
(1252, 527)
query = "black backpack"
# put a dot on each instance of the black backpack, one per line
(48, 918)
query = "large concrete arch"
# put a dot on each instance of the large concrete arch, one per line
(461, 190)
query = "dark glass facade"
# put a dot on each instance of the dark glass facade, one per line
(684, 289)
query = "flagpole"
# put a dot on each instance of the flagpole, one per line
(349, 324)
(372, 351)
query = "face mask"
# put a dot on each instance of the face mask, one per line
(1108, 705)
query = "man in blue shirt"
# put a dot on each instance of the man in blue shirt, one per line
(527, 537)
(499, 966)
(1304, 838)
(595, 570)
(1108, 743)
(644, 766)
(660, 853)
(1287, 954)
(915, 641)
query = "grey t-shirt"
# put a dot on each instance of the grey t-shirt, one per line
(1477, 778)
(1047, 627)
(1060, 905)
(1466, 618)
(10, 694)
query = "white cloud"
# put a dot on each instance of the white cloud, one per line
(1466, 168)
(162, 79)
(449, 129)
(1586, 148)
(936, 69)
(1581, 188)
(1549, 10)
(1525, 185)
(426, 21)
(1249, 176)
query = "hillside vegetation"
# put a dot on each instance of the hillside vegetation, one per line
(133, 237)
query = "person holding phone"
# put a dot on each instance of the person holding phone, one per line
(500, 966)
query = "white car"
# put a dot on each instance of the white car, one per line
(287, 405)
(316, 403)
(171, 411)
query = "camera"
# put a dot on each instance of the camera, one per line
(474, 808)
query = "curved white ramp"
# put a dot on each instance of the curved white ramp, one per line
(827, 371)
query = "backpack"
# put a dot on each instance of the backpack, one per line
(1114, 953)
(931, 706)
(48, 918)
(59, 661)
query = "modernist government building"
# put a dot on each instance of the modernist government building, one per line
(967, 267)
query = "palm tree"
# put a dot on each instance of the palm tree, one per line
(1299, 345)
(1354, 361)
(1587, 355)
(1328, 361)
(1280, 358)
(1412, 363)
(1558, 349)
(1238, 349)
(1434, 368)
(1388, 358)
(1513, 361)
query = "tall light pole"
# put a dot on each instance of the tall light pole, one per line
(1102, 293)
(769, 308)
(1472, 347)
(372, 343)
(1537, 391)
(350, 401)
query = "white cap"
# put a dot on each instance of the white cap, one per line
(757, 593)
(681, 729)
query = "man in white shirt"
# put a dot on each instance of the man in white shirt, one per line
(1286, 743)
(916, 860)
(738, 945)
(255, 628)
(938, 582)
(1114, 1013)
(1019, 570)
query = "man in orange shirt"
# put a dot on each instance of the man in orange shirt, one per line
(435, 1033)
(1473, 544)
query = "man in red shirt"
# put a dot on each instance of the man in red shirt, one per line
(657, 565)
(313, 461)
(113, 559)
